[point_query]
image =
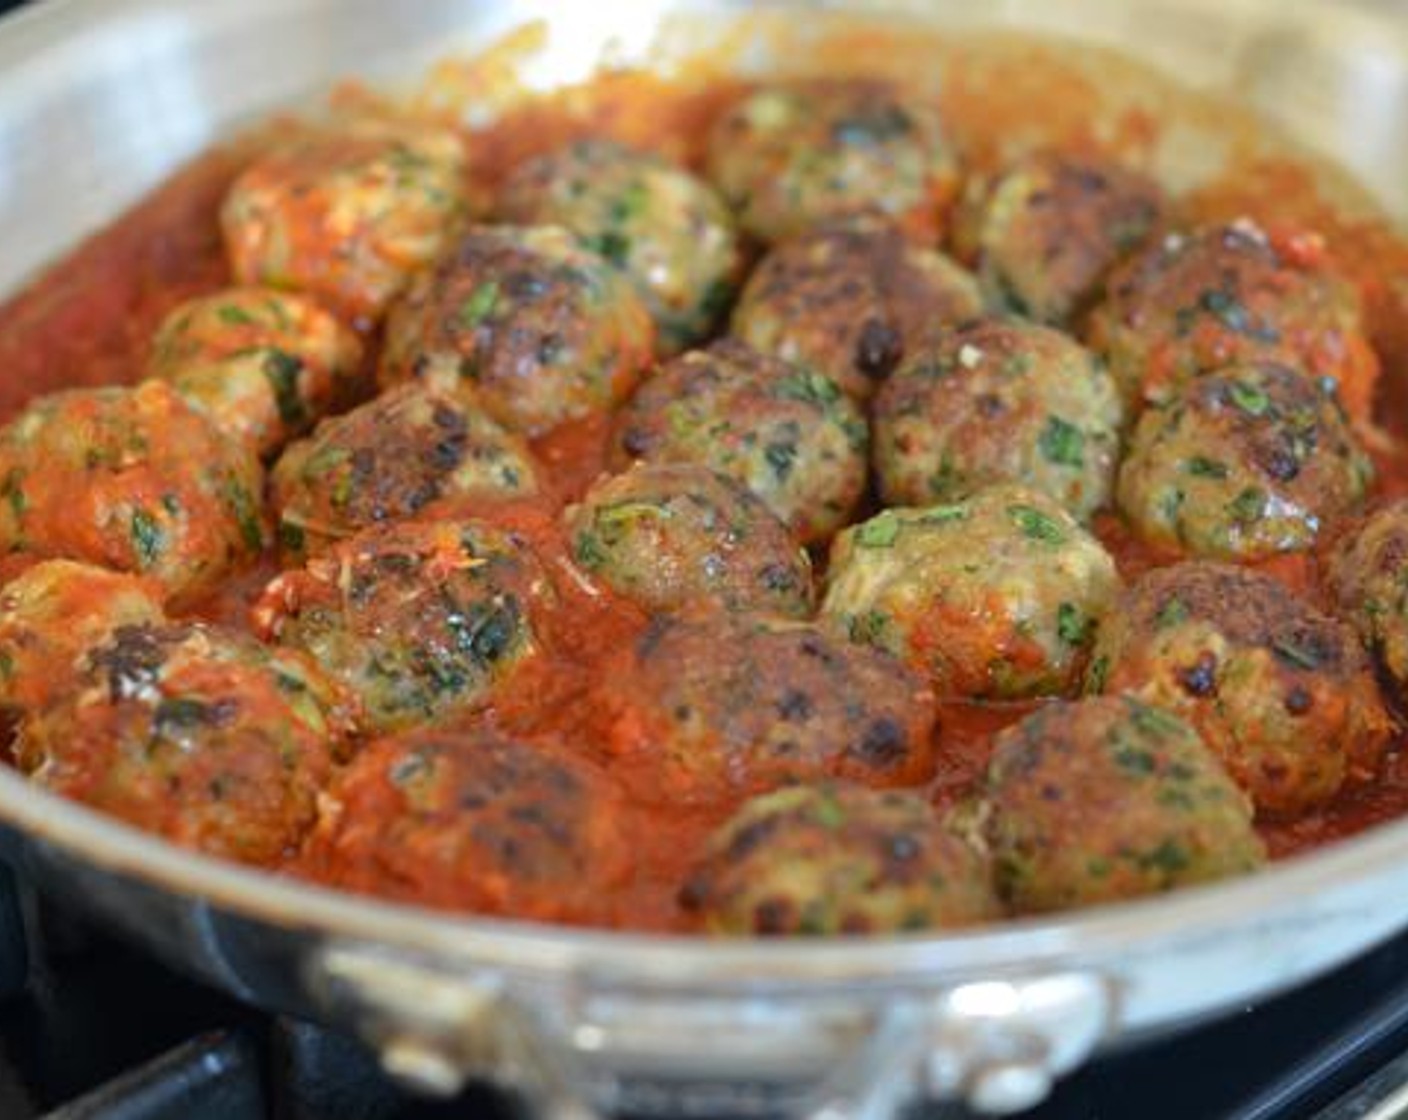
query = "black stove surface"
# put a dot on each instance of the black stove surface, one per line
(92, 1029)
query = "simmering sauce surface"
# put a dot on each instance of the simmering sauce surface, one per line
(89, 319)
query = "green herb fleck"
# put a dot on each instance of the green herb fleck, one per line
(282, 371)
(613, 245)
(879, 532)
(1249, 398)
(809, 386)
(479, 306)
(147, 538)
(246, 514)
(1062, 443)
(1203, 467)
(291, 536)
(1247, 507)
(1037, 525)
(235, 316)
(1173, 612)
(589, 550)
(1073, 625)
(829, 813)
(1294, 652)
(781, 457)
(1099, 674)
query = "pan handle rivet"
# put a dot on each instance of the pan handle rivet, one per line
(423, 1066)
(1007, 1087)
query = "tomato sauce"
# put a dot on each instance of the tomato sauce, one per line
(88, 321)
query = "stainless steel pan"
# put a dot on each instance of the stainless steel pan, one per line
(99, 99)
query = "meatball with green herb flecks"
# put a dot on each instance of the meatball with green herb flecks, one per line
(665, 229)
(534, 328)
(388, 460)
(992, 597)
(52, 615)
(1044, 232)
(850, 302)
(419, 620)
(473, 820)
(130, 479)
(1367, 576)
(1228, 295)
(263, 365)
(1283, 693)
(198, 734)
(998, 401)
(704, 710)
(675, 536)
(836, 859)
(787, 433)
(790, 156)
(347, 214)
(1242, 464)
(1107, 799)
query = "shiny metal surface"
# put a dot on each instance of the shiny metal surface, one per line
(99, 99)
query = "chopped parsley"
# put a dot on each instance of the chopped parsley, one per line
(479, 305)
(282, 370)
(1036, 525)
(1073, 625)
(1062, 443)
(147, 538)
(879, 532)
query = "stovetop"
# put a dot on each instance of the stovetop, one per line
(94, 1029)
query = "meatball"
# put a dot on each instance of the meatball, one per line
(262, 365)
(787, 433)
(131, 479)
(673, 536)
(419, 620)
(346, 215)
(850, 302)
(835, 859)
(1110, 798)
(667, 230)
(1241, 464)
(1281, 692)
(788, 157)
(998, 401)
(201, 735)
(536, 328)
(1046, 230)
(1229, 295)
(705, 710)
(472, 820)
(52, 615)
(992, 597)
(390, 459)
(1367, 576)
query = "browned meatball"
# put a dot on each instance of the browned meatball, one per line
(1367, 575)
(1045, 230)
(346, 214)
(1242, 464)
(789, 156)
(705, 710)
(789, 434)
(998, 401)
(532, 326)
(675, 536)
(1282, 692)
(419, 620)
(200, 735)
(1110, 798)
(666, 230)
(389, 460)
(1229, 295)
(471, 820)
(851, 302)
(132, 479)
(52, 615)
(838, 859)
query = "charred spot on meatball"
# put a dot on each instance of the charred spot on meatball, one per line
(1110, 798)
(1283, 693)
(850, 301)
(675, 536)
(788, 434)
(703, 710)
(837, 859)
(534, 328)
(1242, 464)
(998, 401)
